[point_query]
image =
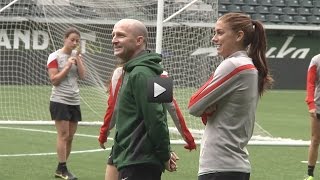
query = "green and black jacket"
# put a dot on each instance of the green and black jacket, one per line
(142, 135)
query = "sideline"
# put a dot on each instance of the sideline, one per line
(50, 153)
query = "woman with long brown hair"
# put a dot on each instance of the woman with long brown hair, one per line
(227, 102)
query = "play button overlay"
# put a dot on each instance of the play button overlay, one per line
(157, 90)
(160, 89)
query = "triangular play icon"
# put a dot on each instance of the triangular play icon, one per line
(158, 90)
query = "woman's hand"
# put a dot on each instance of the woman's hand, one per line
(72, 60)
(313, 113)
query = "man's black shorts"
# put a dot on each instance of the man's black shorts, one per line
(60, 111)
(110, 159)
(140, 171)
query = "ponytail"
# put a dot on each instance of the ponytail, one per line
(257, 51)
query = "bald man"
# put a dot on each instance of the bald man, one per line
(141, 145)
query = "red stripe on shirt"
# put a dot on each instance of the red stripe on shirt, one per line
(201, 92)
(53, 64)
(311, 81)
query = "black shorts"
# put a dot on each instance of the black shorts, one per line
(110, 158)
(225, 176)
(141, 171)
(60, 111)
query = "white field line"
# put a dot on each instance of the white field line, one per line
(306, 162)
(50, 153)
(53, 153)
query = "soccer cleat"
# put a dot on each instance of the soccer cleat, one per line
(309, 178)
(65, 175)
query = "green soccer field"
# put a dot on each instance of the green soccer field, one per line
(28, 152)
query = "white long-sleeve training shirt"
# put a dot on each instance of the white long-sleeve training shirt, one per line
(313, 84)
(233, 91)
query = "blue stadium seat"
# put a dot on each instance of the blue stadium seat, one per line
(272, 18)
(286, 19)
(279, 3)
(292, 3)
(265, 2)
(303, 11)
(276, 10)
(262, 10)
(248, 9)
(307, 3)
(300, 19)
(290, 11)
(233, 8)
(260, 17)
(313, 19)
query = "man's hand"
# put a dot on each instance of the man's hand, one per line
(171, 164)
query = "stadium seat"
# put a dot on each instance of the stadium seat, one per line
(251, 2)
(286, 19)
(21, 10)
(292, 3)
(88, 12)
(227, 2)
(238, 2)
(272, 18)
(7, 12)
(276, 10)
(313, 19)
(303, 11)
(316, 3)
(220, 14)
(279, 3)
(290, 11)
(27, 2)
(222, 8)
(265, 2)
(262, 10)
(248, 9)
(315, 11)
(233, 8)
(300, 19)
(306, 3)
(36, 11)
(260, 17)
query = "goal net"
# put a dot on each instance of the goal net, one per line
(32, 29)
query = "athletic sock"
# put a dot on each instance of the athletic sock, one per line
(310, 170)
(62, 166)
